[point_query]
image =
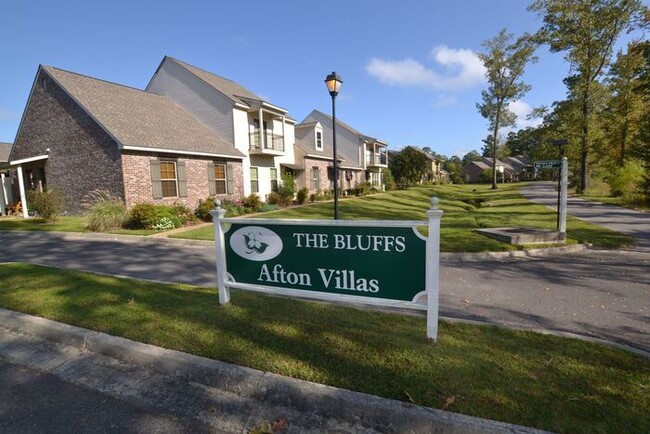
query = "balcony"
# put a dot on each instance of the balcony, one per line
(377, 159)
(273, 143)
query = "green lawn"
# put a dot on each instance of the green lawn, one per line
(466, 207)
(63, 224)
(558, 384)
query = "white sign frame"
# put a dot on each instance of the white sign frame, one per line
(432, 264)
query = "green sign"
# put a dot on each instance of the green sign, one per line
(376, 262)
(548, 164)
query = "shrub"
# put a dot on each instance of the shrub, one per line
(301, 196)
(252, 203)
(627, 182)
(362, 189)
(274, 198)
(485, 177)
(233, 209)
(106, 216)
(202, 211)
(312, 197)
(266, 207)
(389, 181)
(47, 204)
(167, 214)
(142, 216)
(287, 189)
(105, 211)
(164, 224)
(324, 195)
(183, 212)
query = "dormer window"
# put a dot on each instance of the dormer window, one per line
(319, 140)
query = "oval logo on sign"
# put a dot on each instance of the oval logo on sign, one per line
(256, 243)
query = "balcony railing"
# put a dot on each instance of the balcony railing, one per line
(272, 142)
(377, 159)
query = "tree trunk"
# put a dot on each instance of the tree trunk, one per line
(621, 162)
(494, 148)
(584, 179)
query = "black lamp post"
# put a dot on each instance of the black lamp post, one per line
(559, 143)
(333, 82)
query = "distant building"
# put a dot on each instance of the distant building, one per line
(513, 169)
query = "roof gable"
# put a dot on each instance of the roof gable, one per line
(233, 91)
(135, 118)
(5, 150)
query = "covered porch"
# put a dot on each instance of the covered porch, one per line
(30, 175)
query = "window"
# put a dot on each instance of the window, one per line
(168, 179)
(274, 179)
(255, 185)
(319, 140)
(315, 178)
(220, 178)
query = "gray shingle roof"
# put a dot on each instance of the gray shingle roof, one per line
(228, 87)
(308, 147)
(141, 119)
(5, 150)
(481, 164)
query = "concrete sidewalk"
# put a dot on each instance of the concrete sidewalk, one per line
(230, 398)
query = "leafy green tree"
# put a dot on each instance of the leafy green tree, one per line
(454, 166)
(626, 105)
(469, 157)
(586, 30)
(505, 61)
(408, 166)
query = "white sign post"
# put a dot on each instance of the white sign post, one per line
(564, 176)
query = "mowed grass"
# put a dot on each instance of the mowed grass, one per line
(553, 383)
(466, 207)
(63, 224)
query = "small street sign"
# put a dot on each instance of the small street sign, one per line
(548, 164)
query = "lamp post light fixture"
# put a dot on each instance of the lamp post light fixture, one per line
(333, 82)
(560, 144)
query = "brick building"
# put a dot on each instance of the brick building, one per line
(79, 134)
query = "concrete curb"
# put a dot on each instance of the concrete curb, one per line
(527, 253)
(313, 401)
(447, 257)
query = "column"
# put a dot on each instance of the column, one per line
(3, 197)
(21, 186)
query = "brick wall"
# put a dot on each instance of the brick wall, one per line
(82, 156)
(324, 183)
(358, 176)
(136, 167)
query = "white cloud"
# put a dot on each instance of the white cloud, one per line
(460, 68)
(522, 110)
(465, 63)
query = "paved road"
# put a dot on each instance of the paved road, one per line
(600, 294)
(32, 401)
(634, 223)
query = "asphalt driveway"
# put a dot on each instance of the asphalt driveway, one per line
(634, 223)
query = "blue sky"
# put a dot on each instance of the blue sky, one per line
(411, 76)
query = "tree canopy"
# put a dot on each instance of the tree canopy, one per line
(408, 166)
(505, 61)
(586, 30)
